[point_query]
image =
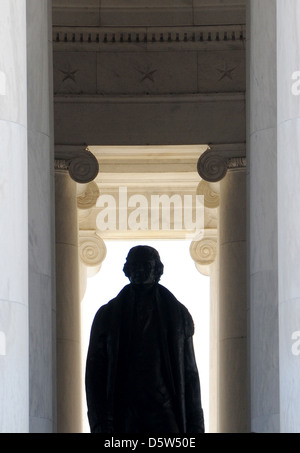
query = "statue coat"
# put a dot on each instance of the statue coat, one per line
(176, 339)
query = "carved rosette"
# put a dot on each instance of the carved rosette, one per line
(213, 165)
(89, 198)
(82, 166)
(92, 249)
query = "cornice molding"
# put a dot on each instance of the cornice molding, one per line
(188, 98)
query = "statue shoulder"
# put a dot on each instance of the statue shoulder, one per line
(175, 305)
(108, 311)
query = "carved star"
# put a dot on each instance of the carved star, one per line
(147, 75)
(69, 74)
(226, 72)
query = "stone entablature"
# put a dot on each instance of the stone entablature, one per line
(137, 174)
(140, 12)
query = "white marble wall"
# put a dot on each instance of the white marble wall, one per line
(41, 215)
(14, 382)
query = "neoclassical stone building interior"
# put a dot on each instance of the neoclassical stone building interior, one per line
(183, 98)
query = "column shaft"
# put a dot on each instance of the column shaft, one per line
(233, 305)
(214, 348)
(41, 217)
(274, 200)
(67, 306)
(288, 203)
(14, 366)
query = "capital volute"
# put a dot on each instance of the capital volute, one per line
(214, 163)
(92, 249)
(82, 165)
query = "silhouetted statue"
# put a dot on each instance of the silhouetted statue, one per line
(141, 373)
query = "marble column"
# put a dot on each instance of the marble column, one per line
(273, 188)
(288, 202)
(229, 303)
(41, 213)
(79, 167)
(67, 306)
(14, 364)
(262, 216)
(214, 399)
(26, 203)
(233, 388)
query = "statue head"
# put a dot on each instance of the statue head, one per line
(143, 265)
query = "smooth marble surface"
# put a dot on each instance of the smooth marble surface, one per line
(41, 216)
(151, 121)
(262, 191)
(13, 204)
(26, 288)
(122, 12)
(264, 357)
(13, 60)
(274, 165)
(14, 368)
(262, 215)
(39, 72)
(14, 395)
(68, 307)
(262, 65)
(288, 212)
(233, 383)
(138, 12)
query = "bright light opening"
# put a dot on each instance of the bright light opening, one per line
(180, 276)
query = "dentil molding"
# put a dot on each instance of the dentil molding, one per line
(109, 37)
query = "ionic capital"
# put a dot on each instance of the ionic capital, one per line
(214, 163)
(92, 249)
(82, 166)
(211, 198)
(204, 252)
(89, 197)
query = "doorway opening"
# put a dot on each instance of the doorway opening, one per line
(180, 276)
(150, 195)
